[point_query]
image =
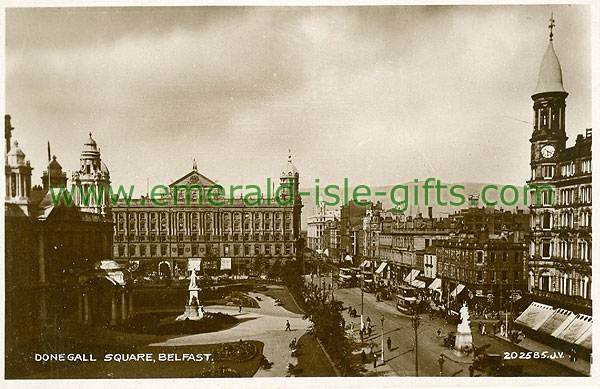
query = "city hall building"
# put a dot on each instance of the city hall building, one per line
(560, 264)
(164, 239)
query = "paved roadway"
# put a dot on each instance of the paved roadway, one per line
(398, 327)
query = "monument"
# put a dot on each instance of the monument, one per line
(464, 338)
(193, 310)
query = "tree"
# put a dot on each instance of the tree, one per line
(275, 269)
(259, 264)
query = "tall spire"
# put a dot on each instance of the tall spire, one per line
(551, 26)
(550, 76)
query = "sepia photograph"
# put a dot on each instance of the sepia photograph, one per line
(289, 191)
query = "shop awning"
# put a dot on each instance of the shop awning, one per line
(411, 276)
(554, 321)
(348, 258)
(585, 340)
(535, 315)
(381, 267)
(575, 328)
(436, 285)
(418, 284)
(365, 264)
(459, 288)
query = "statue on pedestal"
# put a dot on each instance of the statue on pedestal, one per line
(464, 337)
(192, 309)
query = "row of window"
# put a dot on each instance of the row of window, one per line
(565, 249)
(195, 250)
(565, 219)
(566, 170)
(563, 284)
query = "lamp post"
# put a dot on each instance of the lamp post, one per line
(416, 321)
(382, 336)
(362, 295)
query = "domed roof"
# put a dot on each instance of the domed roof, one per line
(16, 156)
(54, 165)
(550, 77)
(289, 170)
(103, 167)
(90, 144)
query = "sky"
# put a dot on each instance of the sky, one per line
(381, 95)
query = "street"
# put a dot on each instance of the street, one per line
(398, 327)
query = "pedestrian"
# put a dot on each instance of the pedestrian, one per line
(483, 330)
(480, 328)
(389, 343)
(363, 357)
(287, 325)
(471, 370)
(441, 363)
(370, 330)
(240, 307)
(375, 360)
(368, 321)
(352, 328)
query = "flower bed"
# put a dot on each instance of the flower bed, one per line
(239, 352)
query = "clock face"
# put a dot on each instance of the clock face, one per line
(548, 151)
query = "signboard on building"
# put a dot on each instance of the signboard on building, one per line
(194, 264)
(225, 263)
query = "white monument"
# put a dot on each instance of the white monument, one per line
(192, 308)
(464, 338)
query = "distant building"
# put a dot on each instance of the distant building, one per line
(492, 220)
(316, 225)
(330, 241)
(162, 239)
(559, 270)
(351, 231)
(489, 268)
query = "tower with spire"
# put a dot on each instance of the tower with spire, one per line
(549, 136)
(92, 180)
(560, 196)
(291, 178)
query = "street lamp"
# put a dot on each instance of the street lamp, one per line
(362, 299)
(382, 336)
(416, 321)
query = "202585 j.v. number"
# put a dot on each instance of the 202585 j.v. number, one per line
(533, 355)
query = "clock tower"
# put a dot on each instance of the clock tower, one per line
(549, 137)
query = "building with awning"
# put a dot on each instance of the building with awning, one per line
(535, 315)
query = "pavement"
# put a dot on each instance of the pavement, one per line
(265, 324)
